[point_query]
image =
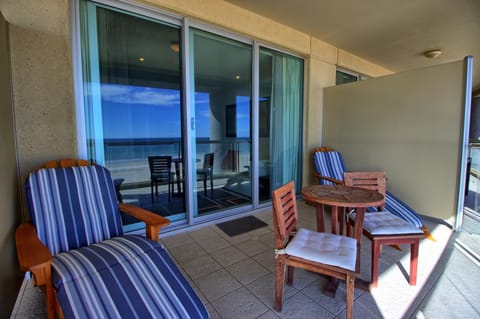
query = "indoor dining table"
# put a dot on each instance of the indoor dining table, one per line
(339, 198)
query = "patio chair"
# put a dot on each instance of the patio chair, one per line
(382, 227)
(324, 253)
(330, 168)
(160, 172)
(78, 253)
(207, 171)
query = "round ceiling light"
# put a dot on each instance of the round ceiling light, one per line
(432, 54)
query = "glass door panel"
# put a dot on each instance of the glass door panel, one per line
(280, 121)
(132, 97)
(471, 210)
(222, 86)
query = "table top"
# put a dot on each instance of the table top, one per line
(342, 196)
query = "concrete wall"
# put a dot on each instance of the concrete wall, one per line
(408, 124)
(9, 210)
(40, 45)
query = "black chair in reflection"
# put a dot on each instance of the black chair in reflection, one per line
(206, 172)
(160, 172)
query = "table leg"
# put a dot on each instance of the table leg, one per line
(320, 218)
(335, 225)
(330, 288)
(359, 216)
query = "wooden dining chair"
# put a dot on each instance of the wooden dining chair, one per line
(382, 227)
(324, 253)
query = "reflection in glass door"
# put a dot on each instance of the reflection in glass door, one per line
(222, 81)
(132, 100)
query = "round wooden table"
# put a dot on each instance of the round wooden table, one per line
(339, 197)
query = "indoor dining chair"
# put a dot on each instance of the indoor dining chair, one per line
(324, 253)
(207, 172)
(160, 172)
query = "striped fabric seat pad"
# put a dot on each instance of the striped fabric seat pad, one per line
(399, 208)
(124, 277)
(329, 164)
(73, 207)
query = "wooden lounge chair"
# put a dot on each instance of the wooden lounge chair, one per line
(77, 251)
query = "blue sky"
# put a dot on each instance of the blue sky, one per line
(141, 112)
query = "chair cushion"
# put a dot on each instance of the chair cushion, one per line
(329, 164)
(325, 248)
(401, 209)
(385, 223)
(62, 217)
(124, 277)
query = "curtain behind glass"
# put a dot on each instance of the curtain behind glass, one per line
(286, 121)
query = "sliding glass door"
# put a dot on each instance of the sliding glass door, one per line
(222, 86)
(132, 102)
(207, 151)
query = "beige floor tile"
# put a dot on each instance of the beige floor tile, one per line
(239, 304)
(252, 247)
(217, 284)
(201, 266)
(187, 252)
(264, 289)
(229, 256)
(247, 271)
(300, 306)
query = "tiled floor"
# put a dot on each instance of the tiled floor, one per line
(234, 276)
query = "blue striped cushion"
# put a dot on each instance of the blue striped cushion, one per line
(329, 164)
(73, 207)
(127, 277)
(399, 208)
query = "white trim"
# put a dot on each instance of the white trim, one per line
(188, 120)
(219, 31)
(255, 122)
(78, 81)
(139, 8)
(464, 138)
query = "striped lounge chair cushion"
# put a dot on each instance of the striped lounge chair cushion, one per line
(124, 277)
(329, 164)
(399, 208)
(73, 207)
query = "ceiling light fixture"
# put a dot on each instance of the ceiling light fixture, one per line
(432, 54)
(141, 59)
(174, 46)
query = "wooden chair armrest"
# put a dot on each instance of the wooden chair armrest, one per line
(333, 180)
(35, 257)
(153, 222)
(32, 254)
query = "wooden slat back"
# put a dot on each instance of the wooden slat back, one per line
(284, 213)
(370, 180)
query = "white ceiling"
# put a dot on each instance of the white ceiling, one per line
(391, 33)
